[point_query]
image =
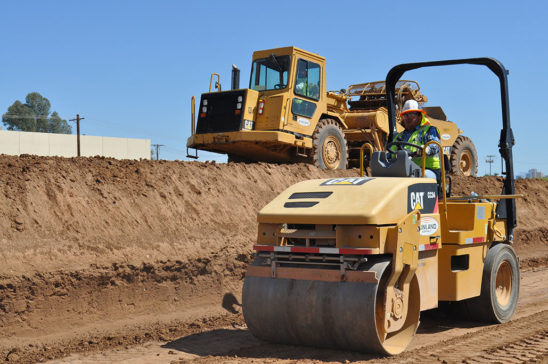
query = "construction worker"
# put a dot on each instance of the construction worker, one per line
(419, 131)
(301, 85)
(302, 107)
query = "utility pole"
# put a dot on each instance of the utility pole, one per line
(157, 150)
(490, 160)
(78, 118)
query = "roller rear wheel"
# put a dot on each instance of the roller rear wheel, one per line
(499, 286)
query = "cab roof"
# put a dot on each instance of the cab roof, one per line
(287, 51)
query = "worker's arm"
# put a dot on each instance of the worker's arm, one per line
(433, 134)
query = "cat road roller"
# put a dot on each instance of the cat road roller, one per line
(351, 262)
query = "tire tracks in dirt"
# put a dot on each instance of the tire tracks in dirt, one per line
(518, 341)
(439, 339)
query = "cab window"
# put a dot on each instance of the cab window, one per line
(307, 81)
(303, 107)
(269, 73)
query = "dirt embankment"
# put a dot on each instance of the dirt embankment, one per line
(91, 249)
(69, 213)
(532, 210)
(89, 240)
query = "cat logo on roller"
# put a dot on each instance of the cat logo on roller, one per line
(422, 197)
(416, 200)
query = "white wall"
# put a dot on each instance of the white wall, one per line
(64, 145)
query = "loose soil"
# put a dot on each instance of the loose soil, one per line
(143, 261)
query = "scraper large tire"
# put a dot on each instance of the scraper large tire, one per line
(464, 157)
(330, 149)
(346, 315)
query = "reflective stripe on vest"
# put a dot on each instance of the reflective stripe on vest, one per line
(419, 137)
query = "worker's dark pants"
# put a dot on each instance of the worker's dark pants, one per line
(433, 173)
(437, 172)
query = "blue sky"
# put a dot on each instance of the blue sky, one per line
(131, 67)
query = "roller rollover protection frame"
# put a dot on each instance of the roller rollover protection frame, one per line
(507, 208)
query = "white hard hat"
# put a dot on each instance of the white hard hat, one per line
(411, 106)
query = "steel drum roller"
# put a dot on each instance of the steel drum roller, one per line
(346, 315)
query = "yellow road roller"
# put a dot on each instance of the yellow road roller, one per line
(351, 262)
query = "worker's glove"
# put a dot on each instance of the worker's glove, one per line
(417, 153)
(428, 150)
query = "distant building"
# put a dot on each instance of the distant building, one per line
(64, 145)
(533, 173)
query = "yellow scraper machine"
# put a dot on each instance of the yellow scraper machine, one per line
(350, 262)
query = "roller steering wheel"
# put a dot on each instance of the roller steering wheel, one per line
(400, 146)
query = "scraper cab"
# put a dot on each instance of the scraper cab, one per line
(350, 262)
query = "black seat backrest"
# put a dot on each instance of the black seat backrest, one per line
(400, 166)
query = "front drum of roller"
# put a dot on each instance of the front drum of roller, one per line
(344, 315)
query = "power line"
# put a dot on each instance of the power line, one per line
(111, 125)
(18, 116)
(114, 126)
(175, 150)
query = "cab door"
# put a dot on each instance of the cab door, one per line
(306, 96)
(269, 76)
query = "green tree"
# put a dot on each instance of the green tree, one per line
(34, 115)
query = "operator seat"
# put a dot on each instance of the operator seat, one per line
(400, 166)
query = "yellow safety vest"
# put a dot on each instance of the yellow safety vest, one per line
(419, 137)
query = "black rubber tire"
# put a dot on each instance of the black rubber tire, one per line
(328, 141)
(501, 259)
(464, 157)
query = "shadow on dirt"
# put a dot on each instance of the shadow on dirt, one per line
(231, 304)
(215, 342)
(443, 319)
(241, 343)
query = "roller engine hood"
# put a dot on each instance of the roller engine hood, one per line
(352, 201)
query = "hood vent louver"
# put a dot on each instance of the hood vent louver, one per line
(300, 204)
(298, 195)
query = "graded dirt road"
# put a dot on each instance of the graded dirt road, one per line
(127, 261)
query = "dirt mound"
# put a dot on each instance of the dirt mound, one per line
(70, 213)
(86, 240)
(93, 241)
(532, 230)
